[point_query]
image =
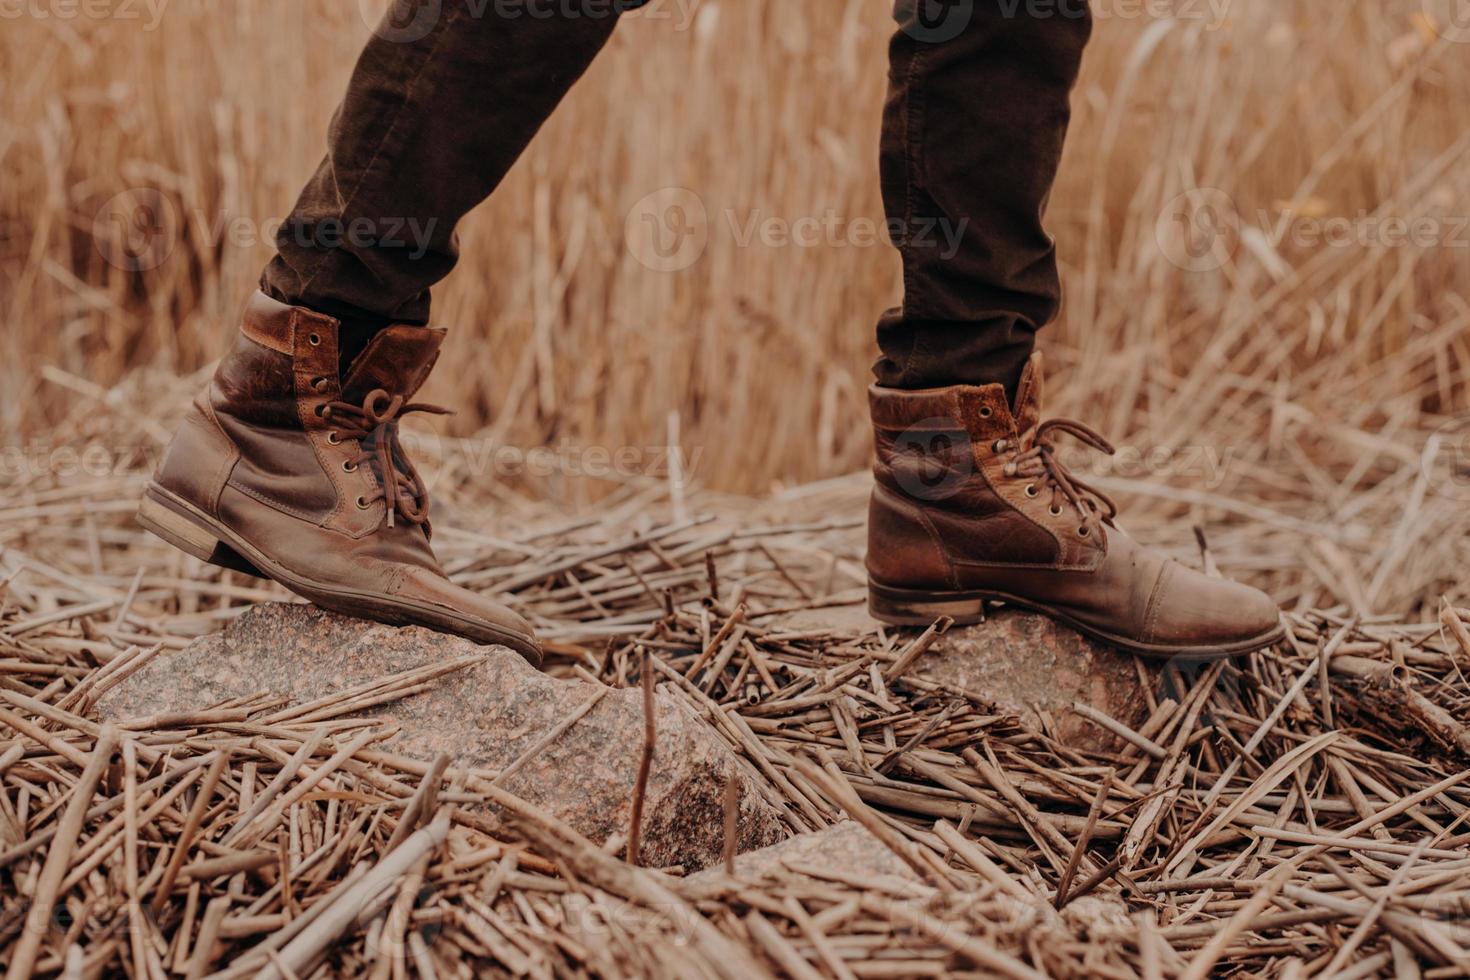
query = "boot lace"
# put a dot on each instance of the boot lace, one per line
(373, 425)
(1037, 461)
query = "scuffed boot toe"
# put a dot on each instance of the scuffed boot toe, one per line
(470, 613)
(1208, 616)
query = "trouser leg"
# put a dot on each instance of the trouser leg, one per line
(977, 110)
(443, 100)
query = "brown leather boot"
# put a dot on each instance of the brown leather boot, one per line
(286, 467)
(970, 505)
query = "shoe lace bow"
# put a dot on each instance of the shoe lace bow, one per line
(373, 425)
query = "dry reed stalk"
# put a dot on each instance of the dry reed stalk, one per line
(645, 761)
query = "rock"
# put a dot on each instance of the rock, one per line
(1034, 666)
(486, 715)
(1025, 664)
(843, 847)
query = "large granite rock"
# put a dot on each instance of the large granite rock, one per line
(1026, 665)
(485, 715)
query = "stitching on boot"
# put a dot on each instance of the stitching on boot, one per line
(274, 504)
(226, 469)
(1155, 600)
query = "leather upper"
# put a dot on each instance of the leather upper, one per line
(952, 512)
(262, 451)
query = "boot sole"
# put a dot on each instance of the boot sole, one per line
(902, 607)
(190, 530)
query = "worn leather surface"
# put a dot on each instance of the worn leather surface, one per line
(398, 359)
(946, 516)
(201, 457)
(261, 453)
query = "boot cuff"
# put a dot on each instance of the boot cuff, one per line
(978, 409)
(271, 323)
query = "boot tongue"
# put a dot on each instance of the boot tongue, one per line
(397, 359)
(1027, 408)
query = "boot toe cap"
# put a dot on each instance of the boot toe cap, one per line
(478, 617)
(1194, 611)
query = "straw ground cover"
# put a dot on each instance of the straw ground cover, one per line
(1261, 226)
(1298, 813)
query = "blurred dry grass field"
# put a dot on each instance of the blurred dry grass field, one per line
(1262, 220)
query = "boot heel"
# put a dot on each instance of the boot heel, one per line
(159, 519)
(921, 609)
(177, 529)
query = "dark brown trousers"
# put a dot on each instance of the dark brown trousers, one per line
(449, 92)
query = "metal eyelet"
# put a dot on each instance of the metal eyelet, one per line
(1054, 511)
(320, 384)
(348, 466)
(362, 503)
(999, 446)
(1083, 531)
(985, 411)
(1009, 469)
(314, 340)
(333, 439)
(321, 411)
(1030, 489)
